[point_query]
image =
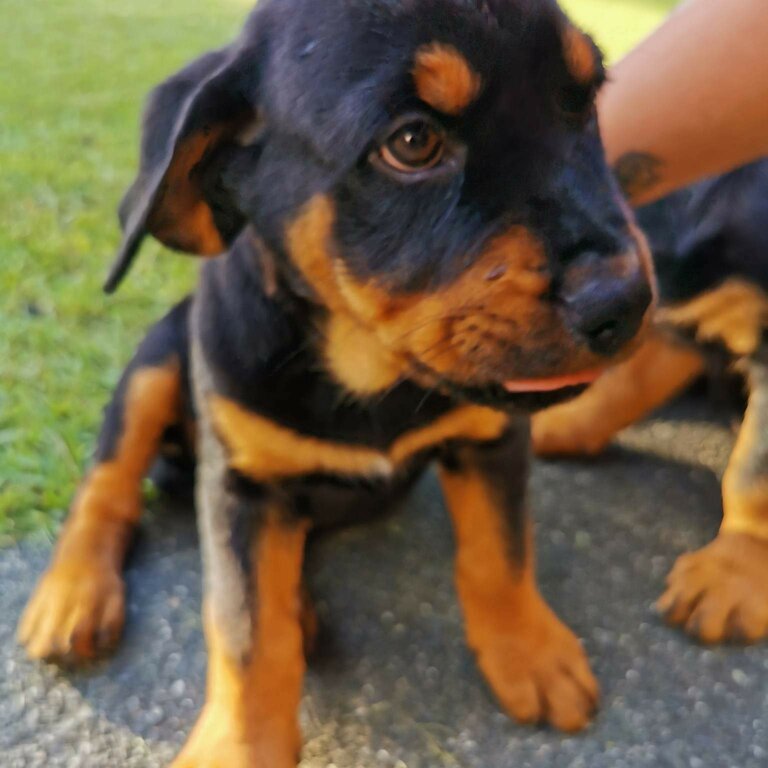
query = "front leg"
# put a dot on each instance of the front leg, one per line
(720, 593)
(532, 661)
(78, 609)
(253, 552)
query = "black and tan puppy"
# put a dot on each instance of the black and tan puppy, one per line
(422, 243)
(710, 245)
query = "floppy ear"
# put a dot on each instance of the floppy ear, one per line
(187, 119)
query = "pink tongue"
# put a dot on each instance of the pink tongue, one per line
(553, 384)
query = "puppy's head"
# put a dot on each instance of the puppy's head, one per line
(430, 171)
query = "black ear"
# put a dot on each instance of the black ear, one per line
(187, 120)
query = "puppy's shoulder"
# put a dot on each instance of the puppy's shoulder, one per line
(246, 329)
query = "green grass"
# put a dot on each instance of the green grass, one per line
(617, 25)
(74, 76)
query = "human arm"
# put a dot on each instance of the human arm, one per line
(691, 100)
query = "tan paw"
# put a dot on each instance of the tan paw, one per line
(541, 674)
(720, 593)
(559, 431)
(76, 613)
(216, 742)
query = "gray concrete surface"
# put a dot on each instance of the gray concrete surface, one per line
(395, 685)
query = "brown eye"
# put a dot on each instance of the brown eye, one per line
(416, 146)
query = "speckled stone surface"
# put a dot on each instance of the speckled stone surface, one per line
(394, 685)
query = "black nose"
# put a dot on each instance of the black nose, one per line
(605, 299)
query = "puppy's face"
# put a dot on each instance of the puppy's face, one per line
(430, 171)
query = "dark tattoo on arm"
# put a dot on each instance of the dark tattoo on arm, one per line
(637, 172)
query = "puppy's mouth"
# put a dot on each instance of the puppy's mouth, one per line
(526, 395)
(552, 384)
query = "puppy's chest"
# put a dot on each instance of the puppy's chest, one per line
(312, 431)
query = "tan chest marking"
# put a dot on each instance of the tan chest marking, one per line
(265, 451)
(357, 359)
(734, 314)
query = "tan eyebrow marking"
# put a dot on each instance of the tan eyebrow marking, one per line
(579, 55)
(444, 78)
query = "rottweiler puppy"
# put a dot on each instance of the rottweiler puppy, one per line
(419, 242)
(710, 245)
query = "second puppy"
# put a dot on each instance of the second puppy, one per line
(710, 246)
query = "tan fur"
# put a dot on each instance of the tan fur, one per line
(357, 359)
(745, 504)
(79, 605)
(444, 78)
(621, 396)
(533, 662)
(460, 330)
(187, 224)
(470, 422)
(734, 314)
(309, 240)
(579, 55)
(249, 717)
(266, 451)
(151, 403)
(720, 592)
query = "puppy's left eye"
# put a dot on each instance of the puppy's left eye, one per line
(415, 146)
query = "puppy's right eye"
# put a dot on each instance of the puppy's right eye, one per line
(415, 146)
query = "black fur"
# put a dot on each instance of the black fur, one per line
(701, 237)
(710, 232)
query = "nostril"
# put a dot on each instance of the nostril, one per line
(604, 337)
(604, 332)
(596, 317)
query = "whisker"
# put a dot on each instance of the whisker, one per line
(424, 399)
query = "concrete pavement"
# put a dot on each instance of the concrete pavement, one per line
(395, 685)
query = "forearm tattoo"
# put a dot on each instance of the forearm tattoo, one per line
(638, 172)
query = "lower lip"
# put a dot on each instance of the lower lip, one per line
(525, 386)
